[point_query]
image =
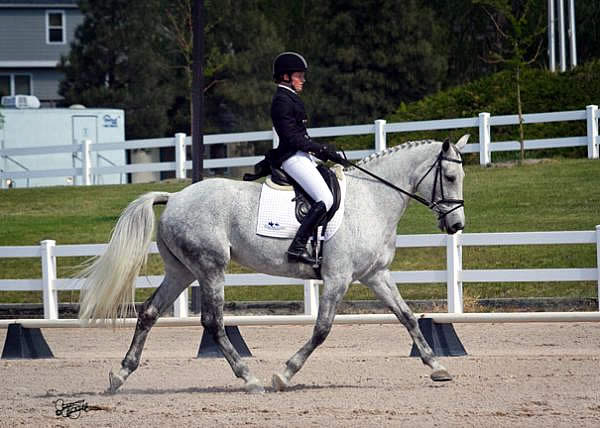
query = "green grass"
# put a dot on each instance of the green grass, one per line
(557, 194)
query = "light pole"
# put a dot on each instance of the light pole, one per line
(197, 110)
(198, 91)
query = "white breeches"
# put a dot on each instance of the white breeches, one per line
(303, 169)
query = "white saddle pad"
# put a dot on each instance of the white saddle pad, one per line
(276, 211)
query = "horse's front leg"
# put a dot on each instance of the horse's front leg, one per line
(332, 295)
(386, 290)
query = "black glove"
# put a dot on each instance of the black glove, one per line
(335, 157)
(321, 151)
(327, 152)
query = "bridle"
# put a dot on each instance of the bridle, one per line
(432, 204)
(435, 205)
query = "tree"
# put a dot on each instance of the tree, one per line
(520, 24)
(365, 56)
(470, 34)
(115, 61)
(587, 15)
(240, 45)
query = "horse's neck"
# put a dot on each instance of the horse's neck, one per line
(403, 166)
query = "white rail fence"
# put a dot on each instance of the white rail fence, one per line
(379, 129)
(454, 276)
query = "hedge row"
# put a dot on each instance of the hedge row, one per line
(541, 91)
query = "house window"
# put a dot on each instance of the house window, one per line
(55, 27)
(15, 84)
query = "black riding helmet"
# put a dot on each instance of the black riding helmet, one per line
(287, 63)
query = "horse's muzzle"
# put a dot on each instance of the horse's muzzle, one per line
(450, 229)
(455, 228)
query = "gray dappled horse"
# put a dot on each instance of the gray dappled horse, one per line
(209, 223)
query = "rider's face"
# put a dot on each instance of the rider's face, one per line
(298, 80)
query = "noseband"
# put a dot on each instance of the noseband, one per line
(432, 204)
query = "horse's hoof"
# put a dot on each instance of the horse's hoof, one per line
(254, 386)
(115, 382)
(440, 375)
(279, 382)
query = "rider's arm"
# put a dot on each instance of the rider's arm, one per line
(291, 129)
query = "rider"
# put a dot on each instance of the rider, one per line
(289, 120)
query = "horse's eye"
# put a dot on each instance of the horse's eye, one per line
(451, 179)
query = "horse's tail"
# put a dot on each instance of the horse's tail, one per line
(108, 288)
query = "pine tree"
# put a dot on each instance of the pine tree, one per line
(365, 56)
(240, 44)
(116, 61)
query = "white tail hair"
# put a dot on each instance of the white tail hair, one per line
(108, 289)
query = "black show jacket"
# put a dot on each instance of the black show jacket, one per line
(289, 120)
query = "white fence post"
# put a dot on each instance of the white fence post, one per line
(86, 158)
(48, 279)
(180, 307)
(591, 113)
(311, 297)
(380, 135)
(180, 156)
(275, 139)
(598, 260)
(453, 270)
(485, 138)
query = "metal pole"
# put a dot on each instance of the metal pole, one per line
(198, 91)
(561, 36)
(572, 44)
(551, 35)
(197, 110)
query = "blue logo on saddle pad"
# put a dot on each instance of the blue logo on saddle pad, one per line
(273, 225)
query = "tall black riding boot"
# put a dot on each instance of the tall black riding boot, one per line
(297, 250)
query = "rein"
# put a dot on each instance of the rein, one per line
(433, 205)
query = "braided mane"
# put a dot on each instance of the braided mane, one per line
(405, 146)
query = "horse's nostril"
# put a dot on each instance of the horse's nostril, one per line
(457, 226)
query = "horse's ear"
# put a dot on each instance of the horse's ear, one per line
(446, 145)
(460, 144)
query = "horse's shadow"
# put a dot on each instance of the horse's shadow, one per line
(196, 390)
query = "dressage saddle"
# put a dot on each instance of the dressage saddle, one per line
(303, 201)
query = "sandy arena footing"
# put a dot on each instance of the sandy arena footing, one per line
(534, 375)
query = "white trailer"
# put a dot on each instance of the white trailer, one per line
(48, 135)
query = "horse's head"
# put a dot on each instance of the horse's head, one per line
(442, 185)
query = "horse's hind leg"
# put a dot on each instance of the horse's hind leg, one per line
(177, 278)
(386, 290)
(332, 294)
(213, 297)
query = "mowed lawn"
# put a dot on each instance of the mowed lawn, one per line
(549, 195)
